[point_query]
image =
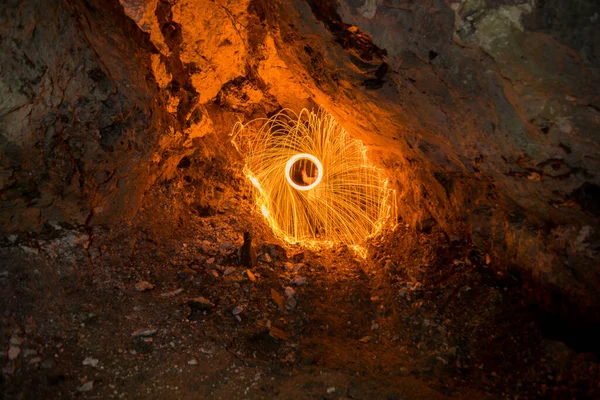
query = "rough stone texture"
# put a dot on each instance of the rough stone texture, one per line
(485, 113)
(511, 107)
(80, 120)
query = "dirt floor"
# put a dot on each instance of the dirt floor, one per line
(162, 307)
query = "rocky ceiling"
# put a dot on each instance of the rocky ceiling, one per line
(485, 114)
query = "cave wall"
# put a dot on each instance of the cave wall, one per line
(484, 113)
(511, 104)
(82, 124)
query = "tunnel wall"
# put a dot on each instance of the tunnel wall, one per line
(485, 114)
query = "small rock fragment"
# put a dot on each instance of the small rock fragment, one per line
(186, 274)
(15, 340)
(47, 364)
(237, 310)
(86, 387)
(29, 352)
(277, 298)
(143, 286)
(35, 360)
(171, 293)
(278, 333)
(226, 246)
(299, 280)
(374, 326)
(291, 302)
(13, 352)
(298, 267)
(365, 339)
(193, 361)
(250, 276)
(29, 250)
(228, 271)
(200, 303)
(92, 362)
(289, 291)
(330, 390)
(210, 263)
(144, 333)
(266, 258)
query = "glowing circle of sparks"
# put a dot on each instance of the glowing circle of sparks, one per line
(303, 156)
(351, 199)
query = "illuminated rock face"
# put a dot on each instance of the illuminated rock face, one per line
(314, 183)
(484, 114)
(79, 121)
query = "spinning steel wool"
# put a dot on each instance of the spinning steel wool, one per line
(313, 183)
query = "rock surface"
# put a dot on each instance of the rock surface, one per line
(485, 114)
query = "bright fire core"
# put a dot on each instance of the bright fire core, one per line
(313, 183)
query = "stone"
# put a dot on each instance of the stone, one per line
(275, 252)
(200, 303)
(277, 299)
(193, 361)
(299, 281)
(289, 291)
(172, 293)
(278, 333)
(86, 387)
(47, 364)
(288, 266)
(210, 263)
(226, 247)
(237, 310)
(143, 286)
(16, 341)
(92, 362)
(35, 360)
(365, 339)
(250, 275)
(29, 352)
(228, 271)
(13, 352)
(186, 274)
(266, 258)
(144, 333)
(291, 302)
(297, 267)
